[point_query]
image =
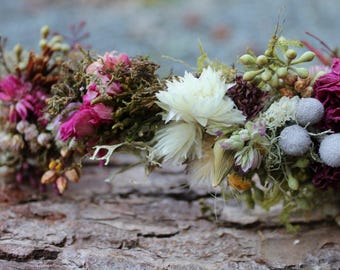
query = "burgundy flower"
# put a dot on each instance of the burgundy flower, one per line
(326, 176)
(21, 98)
(327, 90)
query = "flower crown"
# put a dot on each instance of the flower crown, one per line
(267, 133)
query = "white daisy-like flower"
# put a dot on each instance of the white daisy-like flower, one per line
(199, 100)
(281, 111)
(178, 142)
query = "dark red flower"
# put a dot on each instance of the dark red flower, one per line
(327, 90)
(326, 176)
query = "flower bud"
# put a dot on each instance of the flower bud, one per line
(56, 40)
(305, 57)
(49, 177)
(61, 184)
(293, 183)
(44, 31)
(72, 175)
(42, 43)
(261, 60)
(44, 139)
(247, 59)
(17, 50)
(282, 72)
(266, 76)
(233, 143)
(249, 75)
(301, 72)
(291, 54)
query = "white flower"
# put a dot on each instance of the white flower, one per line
(177, 142)
(199, 100)
(280, 112)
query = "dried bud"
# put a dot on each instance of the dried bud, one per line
(44, 31)
(238, 183)
(301, 84)
(49, 177)
(290, 79)
(307, 92)
(72, 175)
(61, 184)
(285, 92)
(17, 50)
(44, 139)
(52, 164)
(42, 43)
(64, 152)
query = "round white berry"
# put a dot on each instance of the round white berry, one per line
(309, 111)
(294, 140)
(330, 150)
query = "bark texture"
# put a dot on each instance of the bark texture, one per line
(152, 223)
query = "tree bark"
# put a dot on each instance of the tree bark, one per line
(136, 222)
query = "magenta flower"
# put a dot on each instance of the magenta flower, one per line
(85, 121)
(21, 98)
(327, 90)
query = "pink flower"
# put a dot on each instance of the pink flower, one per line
(327, 90)
(21, 98)
(104, 66)
(85, 121)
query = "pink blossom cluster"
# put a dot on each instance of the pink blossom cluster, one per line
(88, 117)
(23, 99)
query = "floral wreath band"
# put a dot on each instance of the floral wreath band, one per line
(267, 133)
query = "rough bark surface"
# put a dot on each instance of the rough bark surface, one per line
(151, 223)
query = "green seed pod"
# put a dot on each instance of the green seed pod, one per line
(282, 72)
(302, 72)
(247, 59)
(267, 52)
(291, 54)
(274, 82)
(266, 76)
(44, 31)
(261, 60)
(249, 75)
(306, 57)
(293, 183)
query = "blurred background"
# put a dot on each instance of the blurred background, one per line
(173, 27)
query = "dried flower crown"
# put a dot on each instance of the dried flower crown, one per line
(268, 134)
